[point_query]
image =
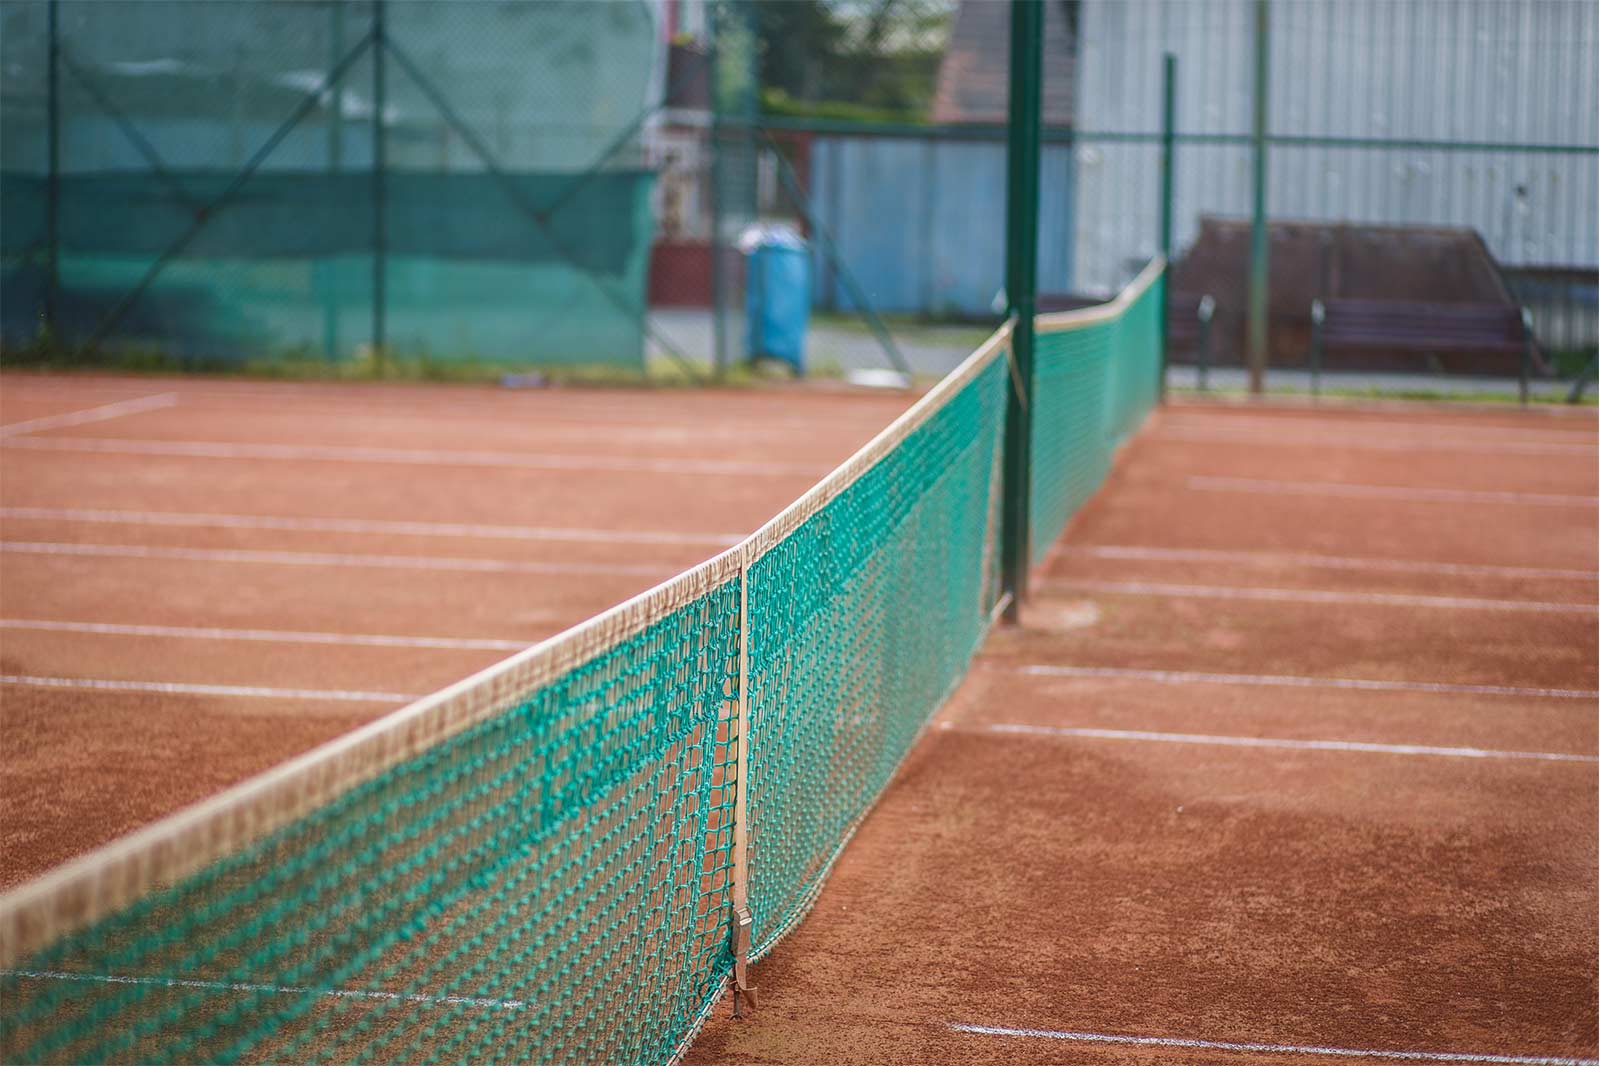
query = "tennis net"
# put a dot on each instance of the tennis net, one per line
(567, 857)
(1096, 374)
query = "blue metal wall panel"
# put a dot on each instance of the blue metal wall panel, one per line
(920, 222)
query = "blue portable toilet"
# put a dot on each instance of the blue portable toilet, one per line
(777, 295)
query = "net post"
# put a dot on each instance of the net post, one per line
(1022, 236)
(743, 991)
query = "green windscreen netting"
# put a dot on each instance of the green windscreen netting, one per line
(542, 863)
(254, 179)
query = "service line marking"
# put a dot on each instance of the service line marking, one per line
(1272, 487)
(1321, 562)
(282, 990)
(296, 524)
(1372, 444)
(1265, 742)
(93, 414)
(414, 457)
(277, 636)
(1277, 595)
(1190, 419)
(184, 689)
(291, 558)
(1278, 1049)
(1191, 677)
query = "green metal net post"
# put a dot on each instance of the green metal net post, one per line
(1022, 252)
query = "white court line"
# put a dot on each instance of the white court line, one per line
(570, 407)
(364, 525)
(1387, 599)
(93, 414)
(413, 456)
(283, 990)
(1271, 487)
(1278, 1049)
(1321, 562)
(1364, 426)
(1372, 443)
(1266, 742)
(276, 636)
(1190, 677)
(183, 689)
(288, 558)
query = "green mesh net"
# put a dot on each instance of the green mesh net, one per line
(542, 864)
(549, 885)
(1096, 374)
(861, 620)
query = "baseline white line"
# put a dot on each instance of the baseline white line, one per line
(1266, 742)
(1270, 487)
(1279, 1049)
(93, 414)
(289, 558)
(184, 689)
(366, 525)
(285, 990)
(1188, 677)
(1372, 444)
(412, 456)
(275, 636)
(1321, 562)
(1386, 599)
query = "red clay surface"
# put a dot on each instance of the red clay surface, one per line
(1275, 860)
(245, 534)
(1091, 842)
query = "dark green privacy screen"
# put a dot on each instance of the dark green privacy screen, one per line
(250, 179)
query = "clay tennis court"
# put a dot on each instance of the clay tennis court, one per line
(1292, 759)
(1294, 755)
(203, 578)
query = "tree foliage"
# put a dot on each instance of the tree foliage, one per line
(878, 56)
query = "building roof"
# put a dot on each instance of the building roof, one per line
(973, 76)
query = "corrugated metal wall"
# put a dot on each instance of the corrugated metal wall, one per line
(919, 221)
(1514, 75)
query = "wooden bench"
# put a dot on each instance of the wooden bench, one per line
(1432, 329)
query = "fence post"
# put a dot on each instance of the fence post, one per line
(1318, 315)
(324, 271)
(1525, 370)
(1258, 338)
(1022, 253)
(380, 44)
(1169, 100)
(53, 184)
